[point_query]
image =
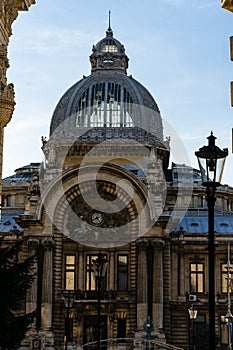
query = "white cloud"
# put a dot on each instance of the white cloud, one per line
(51, 41)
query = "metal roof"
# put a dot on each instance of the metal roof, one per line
(8, 224)
(197, 223)
(23, 174)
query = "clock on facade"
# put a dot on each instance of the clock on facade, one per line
(96, 218)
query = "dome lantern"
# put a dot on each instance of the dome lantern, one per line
(109, 54)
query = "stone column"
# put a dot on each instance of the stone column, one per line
(142, 285)
(158, 286)
(111, 271)
(31, 303)
(47, 283)
(181, 272)
(81, 270)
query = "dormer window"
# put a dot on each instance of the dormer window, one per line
(108, 62)
(109, 48)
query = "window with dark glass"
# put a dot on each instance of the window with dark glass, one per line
(121, 328)
(70, 270)
(196, 277)
(69, 329)
(6, 200)
(122, 272)
(200, 201)
(200, 332)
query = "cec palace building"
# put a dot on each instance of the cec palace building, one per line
(107, 190)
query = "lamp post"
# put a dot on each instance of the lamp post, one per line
(211, 161)
(99, 266)
(68, 297)
(193, 315)
(148, 328)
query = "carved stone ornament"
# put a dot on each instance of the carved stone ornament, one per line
(32, 244)
(48, 244)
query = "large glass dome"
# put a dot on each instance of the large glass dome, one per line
(108, 98)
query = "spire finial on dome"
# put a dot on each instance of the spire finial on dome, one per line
(109, 31)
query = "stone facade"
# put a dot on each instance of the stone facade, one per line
(8, 13)
(106, 187)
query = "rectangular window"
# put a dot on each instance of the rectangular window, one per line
(200, 201)
(223, 330)
(90, 277)
(70, 270)
(122, 272)
(6, 201)
(69, 329)
(196, 278)
(223, 278)
(200, 332)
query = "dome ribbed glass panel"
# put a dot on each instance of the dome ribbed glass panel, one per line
(105, 105)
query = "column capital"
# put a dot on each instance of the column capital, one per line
(48, 243)
(33, 244)
(143, 244)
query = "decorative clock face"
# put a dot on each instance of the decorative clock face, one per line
(97, 218)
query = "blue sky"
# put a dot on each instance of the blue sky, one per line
(178, 49)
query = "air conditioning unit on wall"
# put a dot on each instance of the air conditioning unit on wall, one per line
(192, 297)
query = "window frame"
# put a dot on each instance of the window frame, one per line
(223, 286)
(223, 330)
(90, 281)
(199, 285)
(70, 268)
(124, 270)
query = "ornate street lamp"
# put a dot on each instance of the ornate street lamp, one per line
(68, 296)
(211, 161)
(193, 315)
(148, 328)
(99, 267)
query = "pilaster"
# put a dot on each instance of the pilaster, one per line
(42, 330)
(158, 283)
(142, 285)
